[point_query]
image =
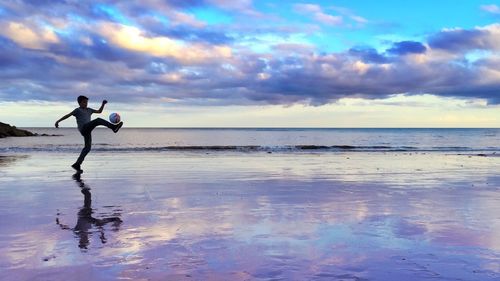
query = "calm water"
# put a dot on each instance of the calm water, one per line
(283, 140)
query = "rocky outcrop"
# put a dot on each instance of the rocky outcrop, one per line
(7, 130)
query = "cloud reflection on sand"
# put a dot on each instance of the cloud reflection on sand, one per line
(272, 234)
(293, 217)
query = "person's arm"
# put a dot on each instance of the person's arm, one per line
(102, 107)
(63, 118)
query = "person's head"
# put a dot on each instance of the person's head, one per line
(82, 101)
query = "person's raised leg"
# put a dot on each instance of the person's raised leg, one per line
(98, 122)
(101, 122)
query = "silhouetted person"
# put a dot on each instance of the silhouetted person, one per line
(85, 221)
(85, 126)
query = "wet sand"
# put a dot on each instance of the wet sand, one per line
(250, 216)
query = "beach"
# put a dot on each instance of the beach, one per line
(216, 140)
(215, 213)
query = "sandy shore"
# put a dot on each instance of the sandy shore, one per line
(250, 216)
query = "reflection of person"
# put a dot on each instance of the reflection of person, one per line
(85, 220)
(85, 126)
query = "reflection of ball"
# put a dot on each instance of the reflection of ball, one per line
(114, 118)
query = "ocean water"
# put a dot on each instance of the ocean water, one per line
(261, 140)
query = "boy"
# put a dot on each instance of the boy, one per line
(85, 126)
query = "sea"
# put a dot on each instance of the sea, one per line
(268, 140)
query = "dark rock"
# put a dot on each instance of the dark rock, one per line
(47, 135)
(11, 131)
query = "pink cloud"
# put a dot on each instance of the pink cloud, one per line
(494, 9)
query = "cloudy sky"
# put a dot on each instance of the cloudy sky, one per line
(251, 63)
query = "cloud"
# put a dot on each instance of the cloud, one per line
(350, 14)
(291, 48)
(243, 78)
(184, 3)
(368, 54)
(134, 39)
(494, 9)
(180, 18)
(463, 40)
(371, 55)
(407, 47)
(28, 37)
(56, 52)
(317, 13)
(241, 6)
(207, 34)
(9, 54)
(328, 19)
(345, 18)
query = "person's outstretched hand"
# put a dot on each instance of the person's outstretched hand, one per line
(104, 102)
(57, 124)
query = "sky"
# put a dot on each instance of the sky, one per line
(250, 63)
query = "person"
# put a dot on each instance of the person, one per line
(85, 126)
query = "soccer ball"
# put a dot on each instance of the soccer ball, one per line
(114, 118)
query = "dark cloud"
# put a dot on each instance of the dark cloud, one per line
(407, 47)
(9, 53)
(186, 3)
(368, 54)
(103, 51)
(23, 64)
(44, 2)
(97, 49)
(197, 35)
(187, 33)
(461, 40)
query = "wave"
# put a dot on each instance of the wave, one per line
(250, 148)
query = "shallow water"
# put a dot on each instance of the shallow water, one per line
(258, 216)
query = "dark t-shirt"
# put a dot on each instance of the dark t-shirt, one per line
(82, 116)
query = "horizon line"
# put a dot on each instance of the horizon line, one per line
(24, 127)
